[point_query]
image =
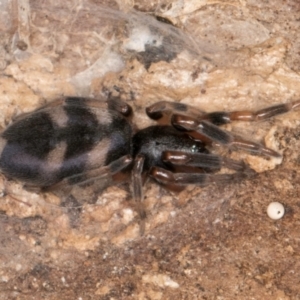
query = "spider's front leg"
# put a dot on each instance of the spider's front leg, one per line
(163, 110)
(220, 136)
(185, 117)
(221, 118)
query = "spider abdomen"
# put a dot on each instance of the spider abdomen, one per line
(53, 143)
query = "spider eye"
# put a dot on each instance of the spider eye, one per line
(194, 149)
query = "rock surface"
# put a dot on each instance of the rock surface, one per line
(211, 243)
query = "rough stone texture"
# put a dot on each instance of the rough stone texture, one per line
(210, 243)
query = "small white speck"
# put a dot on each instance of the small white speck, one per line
(171, 283)
(160, 280)
(217, 221)
(4, 279)
(128, 215)
(188, 272)
(275, 210)
(22, 237)
(173, 214)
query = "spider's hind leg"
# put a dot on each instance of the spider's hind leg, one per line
(95, 179)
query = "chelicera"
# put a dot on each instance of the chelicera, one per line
(78, 141)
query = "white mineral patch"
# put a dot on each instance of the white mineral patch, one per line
(160, 280)
(108, 62)
(141, 36)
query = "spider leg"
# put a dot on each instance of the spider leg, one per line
(84, 188)
(162, 111)
(137, 189)
(166, 177)
(220, 118)
(220, 136)
(202, 160)
(102, 176)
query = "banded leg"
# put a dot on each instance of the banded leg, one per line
(162, 111)
(220, 118)
(220, 136)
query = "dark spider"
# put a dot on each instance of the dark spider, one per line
(73, 141)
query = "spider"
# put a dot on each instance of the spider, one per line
(76, 141)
